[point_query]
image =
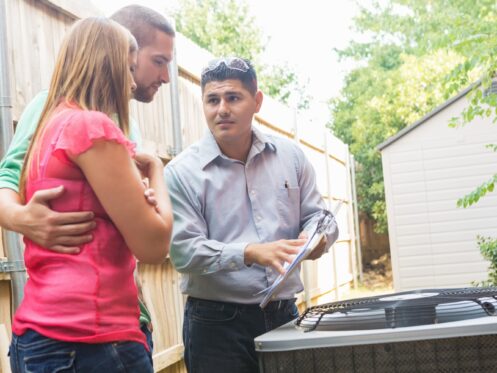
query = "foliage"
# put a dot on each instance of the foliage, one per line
(226, 28)
(419, 54)
(480, 106)
(391, 92)
(488, 249)
(474, 196)
(282, 82)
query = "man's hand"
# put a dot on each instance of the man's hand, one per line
(63, 232)
(273, 254)
(318, 250)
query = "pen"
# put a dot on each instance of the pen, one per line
(286, 184)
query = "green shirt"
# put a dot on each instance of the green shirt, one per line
(11, 164)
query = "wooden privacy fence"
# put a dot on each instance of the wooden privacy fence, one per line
(31, 56)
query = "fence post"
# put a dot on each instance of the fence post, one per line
(11, 241)
(328, 187)
(175, 103)
(305, 265)
(351, 220)
(356, 215)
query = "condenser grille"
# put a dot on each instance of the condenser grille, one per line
(410, 308)
(451, 355)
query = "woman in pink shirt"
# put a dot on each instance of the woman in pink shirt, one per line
(80, 312)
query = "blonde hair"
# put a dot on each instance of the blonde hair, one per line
(92, 72)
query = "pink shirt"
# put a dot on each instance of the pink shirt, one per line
(90, 297)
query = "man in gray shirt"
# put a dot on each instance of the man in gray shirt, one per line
(242, 201)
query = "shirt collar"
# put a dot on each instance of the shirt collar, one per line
(209, 150)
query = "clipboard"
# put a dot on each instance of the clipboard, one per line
(324, 224)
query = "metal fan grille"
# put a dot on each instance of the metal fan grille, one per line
(402, 309)
(451, 355)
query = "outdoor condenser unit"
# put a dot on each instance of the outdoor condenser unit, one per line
(429, 330)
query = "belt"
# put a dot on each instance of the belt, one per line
(273, 306)
(277, 305)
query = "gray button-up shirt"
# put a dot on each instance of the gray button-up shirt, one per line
(221, 205)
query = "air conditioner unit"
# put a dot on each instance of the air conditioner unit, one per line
(430, 330)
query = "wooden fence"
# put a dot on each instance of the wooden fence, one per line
(32, 54)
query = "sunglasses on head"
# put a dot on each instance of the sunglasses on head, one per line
(233, 63)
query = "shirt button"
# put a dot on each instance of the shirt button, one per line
(253, 192)
(259, 218)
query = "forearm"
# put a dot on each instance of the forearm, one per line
(202, 257)
(11, 210)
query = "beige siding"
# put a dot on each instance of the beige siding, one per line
(432, 242)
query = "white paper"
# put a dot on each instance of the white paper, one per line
(318, 231)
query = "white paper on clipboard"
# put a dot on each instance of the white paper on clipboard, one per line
(324, 223)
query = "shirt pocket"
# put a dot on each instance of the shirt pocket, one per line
(288, 206)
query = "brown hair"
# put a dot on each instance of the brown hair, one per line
(141, 22)
(92, 72)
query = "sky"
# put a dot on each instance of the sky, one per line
(302, 34)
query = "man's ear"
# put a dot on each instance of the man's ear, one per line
(258, 100)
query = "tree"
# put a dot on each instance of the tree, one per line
(391, 92)
(468, 29)
(226, 28)
(419, 54)
(223, 27)
(282, 82)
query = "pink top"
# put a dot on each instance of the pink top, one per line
(90, 297)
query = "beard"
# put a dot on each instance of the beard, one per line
(143, 94)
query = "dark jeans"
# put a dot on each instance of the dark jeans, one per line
(34, 353)
(150, 342)
(219, 336)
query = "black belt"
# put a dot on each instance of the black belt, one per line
(273, 306)
(277, 305)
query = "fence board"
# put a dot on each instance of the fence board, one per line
(4, 349)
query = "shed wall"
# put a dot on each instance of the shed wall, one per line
(432, 241)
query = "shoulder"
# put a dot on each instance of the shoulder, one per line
(79, 129)
(184, 172)
(33, 109)
(39, 99)
(74, 119)
(86, 116)
(188, 159)
(285, 146)
(288, 152)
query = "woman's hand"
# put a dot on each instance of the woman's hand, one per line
(146, 163)
(149, 194)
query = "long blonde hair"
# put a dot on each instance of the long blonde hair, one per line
(92, 72)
